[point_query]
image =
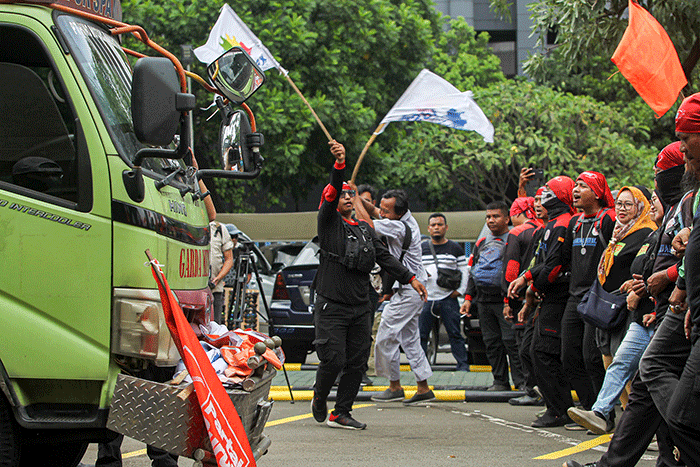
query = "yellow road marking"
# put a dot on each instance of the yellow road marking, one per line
(306, 415)
(404, 367)
(585, 446)
(140, 452)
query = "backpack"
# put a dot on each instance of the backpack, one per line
(489, 263)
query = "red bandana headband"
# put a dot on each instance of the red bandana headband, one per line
(688, 115)
(523, 205)
(670, 157)
(597, 182)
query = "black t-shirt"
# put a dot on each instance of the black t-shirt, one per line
(643, 265)
(584, 247)
(677, 217)
(550, 274)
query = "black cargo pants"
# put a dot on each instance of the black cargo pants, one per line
(343, 341)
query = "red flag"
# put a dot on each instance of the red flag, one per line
(647, 58)
(226, 433)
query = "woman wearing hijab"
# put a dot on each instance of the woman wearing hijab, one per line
(640, 256)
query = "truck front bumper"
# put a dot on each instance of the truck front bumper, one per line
(169, 416)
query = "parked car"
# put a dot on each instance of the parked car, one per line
(291, 310)
(291, 305)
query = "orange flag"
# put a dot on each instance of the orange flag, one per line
(647, 58)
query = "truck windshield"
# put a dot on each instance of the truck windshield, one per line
(105, 68)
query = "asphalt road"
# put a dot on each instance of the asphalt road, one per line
(438, 434)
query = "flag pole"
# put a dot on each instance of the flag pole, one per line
(328, 135)
(364, 151)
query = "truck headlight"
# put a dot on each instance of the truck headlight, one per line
(139, 328)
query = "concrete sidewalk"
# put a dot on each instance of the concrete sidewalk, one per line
(447, 383)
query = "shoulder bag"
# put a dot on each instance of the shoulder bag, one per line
(602, 309)
(449, 279)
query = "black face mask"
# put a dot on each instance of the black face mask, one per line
(555, 207)
(668, 183)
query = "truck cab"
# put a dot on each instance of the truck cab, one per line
(86, 186)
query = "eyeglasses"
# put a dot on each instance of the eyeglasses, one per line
(624, 206)
(350, 193)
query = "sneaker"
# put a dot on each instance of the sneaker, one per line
(344, 420)
(389, 396)
(498, 387)
(549, 420)
(366, 381)
(574, 427)
(594, 421)
(576, 464)
(526, 400)
(319, 409)
(418, 398)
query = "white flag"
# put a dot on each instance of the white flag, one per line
(230, 31)
(430, 98)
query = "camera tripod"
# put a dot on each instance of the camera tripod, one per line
(243, 311)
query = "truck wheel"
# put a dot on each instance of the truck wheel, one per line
(9, 436)
(59, 455)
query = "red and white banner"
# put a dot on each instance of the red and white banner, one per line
(226, 433)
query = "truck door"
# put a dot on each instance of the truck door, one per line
(55, 232)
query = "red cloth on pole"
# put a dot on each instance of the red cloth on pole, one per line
(226, 433)
(647, 58)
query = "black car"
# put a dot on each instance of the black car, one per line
(291, 305)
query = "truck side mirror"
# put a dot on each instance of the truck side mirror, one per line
(156, 101)
(236, 75)
(239, 147)
(236, 155)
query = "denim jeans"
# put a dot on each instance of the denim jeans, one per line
(652, 388)
(448, 310)
(624, 365)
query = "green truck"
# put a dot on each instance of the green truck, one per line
(94, 171)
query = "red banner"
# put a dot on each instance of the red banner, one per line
(226, 433)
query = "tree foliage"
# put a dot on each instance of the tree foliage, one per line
(535, 127)
(353, 59)
(583, 26)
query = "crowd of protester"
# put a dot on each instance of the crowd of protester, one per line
(596, 283)
(591, 292)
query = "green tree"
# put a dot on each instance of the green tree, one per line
(351, 59)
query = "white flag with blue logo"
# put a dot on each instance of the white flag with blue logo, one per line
(230, 31)
(431, 98)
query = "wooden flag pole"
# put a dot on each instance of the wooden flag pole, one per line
(328, 135)
(364, 151)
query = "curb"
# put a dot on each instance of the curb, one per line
(404, 367)
(444, 393)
